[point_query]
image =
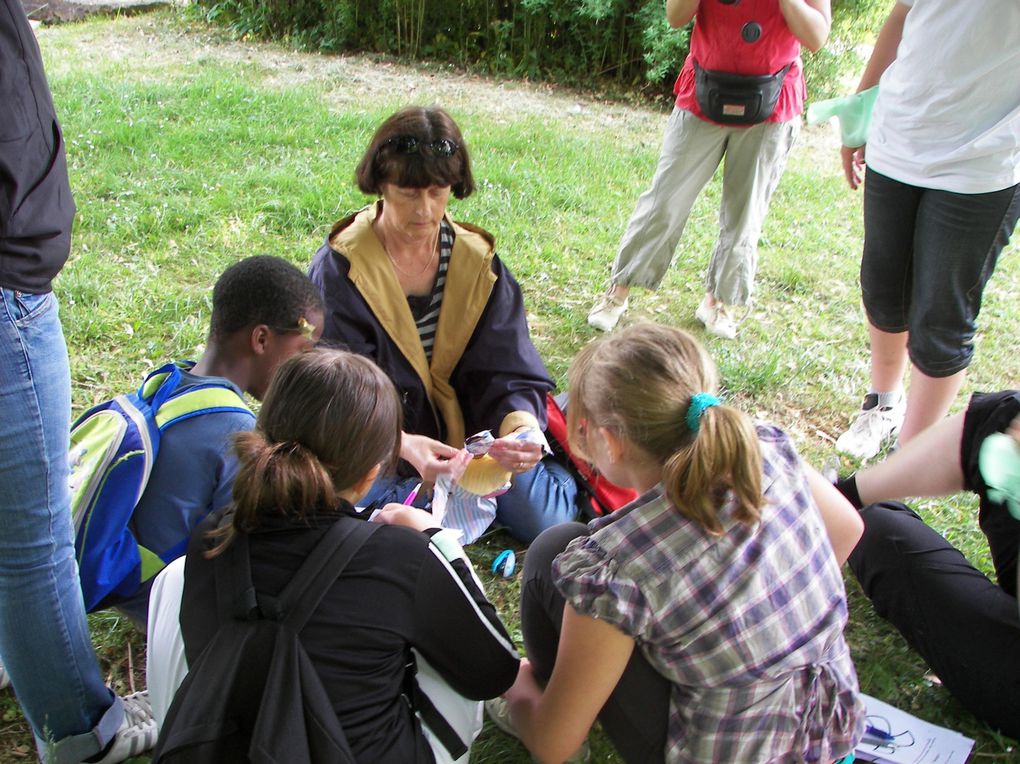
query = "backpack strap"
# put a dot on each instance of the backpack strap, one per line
(160, 387)
(299, 599)
(160, 384)
(206, 399)
(431, 715)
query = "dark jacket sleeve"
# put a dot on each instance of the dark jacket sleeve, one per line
(500, 370)
(458, 630)
(36, 208)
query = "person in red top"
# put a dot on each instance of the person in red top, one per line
(739, 95)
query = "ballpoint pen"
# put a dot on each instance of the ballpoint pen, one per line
(877, 737)
(413, 495)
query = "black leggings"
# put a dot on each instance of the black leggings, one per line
(964, 626)
(636, 715)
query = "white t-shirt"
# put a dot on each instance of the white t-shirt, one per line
(948, 110)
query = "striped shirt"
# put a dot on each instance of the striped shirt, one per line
(425, 308)
(747, 625)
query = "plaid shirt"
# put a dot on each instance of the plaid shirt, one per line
(748, 625)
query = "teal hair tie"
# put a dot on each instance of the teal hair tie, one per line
(699, 402)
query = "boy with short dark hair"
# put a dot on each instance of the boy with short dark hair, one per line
(264, 311)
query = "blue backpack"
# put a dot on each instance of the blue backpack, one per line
(113, 448)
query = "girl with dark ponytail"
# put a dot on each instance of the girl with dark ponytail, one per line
(330, 421)
(329, 424)
(704, 621)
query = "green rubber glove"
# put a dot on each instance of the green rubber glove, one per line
(853, 112)
(999, 462)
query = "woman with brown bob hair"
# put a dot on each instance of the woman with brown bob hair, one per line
(429, 300)
(329, 423)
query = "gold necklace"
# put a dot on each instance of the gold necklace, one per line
(428, 263)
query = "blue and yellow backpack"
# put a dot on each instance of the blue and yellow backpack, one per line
(113, 447)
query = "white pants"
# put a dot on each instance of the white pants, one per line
(167, 667)
(691, 151)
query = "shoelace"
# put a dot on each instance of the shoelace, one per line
(140, 734)
(137, 706)
(871, 422)
(608, 301)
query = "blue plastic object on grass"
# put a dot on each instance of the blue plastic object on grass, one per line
(505, 563)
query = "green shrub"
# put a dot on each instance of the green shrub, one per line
(834, 70)
(621, 43)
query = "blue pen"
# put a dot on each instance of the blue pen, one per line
(877, 737)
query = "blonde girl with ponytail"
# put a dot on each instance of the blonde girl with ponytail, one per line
(704, 621)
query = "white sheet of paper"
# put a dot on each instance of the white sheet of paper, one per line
(913, 741)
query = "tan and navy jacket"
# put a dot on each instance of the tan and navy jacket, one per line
(485, 372)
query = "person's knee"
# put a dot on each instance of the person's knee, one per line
(548, 544)
(941, 351)
(886, 315)
(541, 499)
(886, 524)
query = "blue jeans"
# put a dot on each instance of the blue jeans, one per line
(44, 637)
(540, 498)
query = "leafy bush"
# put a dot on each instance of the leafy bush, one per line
(577, 42)
(834, 70)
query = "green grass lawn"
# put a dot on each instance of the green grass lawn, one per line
(189, 151)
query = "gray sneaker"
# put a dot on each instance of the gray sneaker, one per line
(138, 731)
(499, 711)
(606, 313)
(873, 427)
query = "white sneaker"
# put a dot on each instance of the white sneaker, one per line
(138, 731)
(499, 711)
(873, 427)
(716, 319)
(606, 313)
(5, 678)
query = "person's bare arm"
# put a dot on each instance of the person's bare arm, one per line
(590, 661)
(843, 523)
(926, 465)
(809, 20)
(884, 52)
(680, 12)
(882, 56)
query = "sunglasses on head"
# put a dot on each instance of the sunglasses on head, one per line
(408, 144)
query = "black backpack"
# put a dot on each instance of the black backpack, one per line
(253, 694)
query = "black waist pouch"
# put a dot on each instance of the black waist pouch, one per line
(737, 99)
